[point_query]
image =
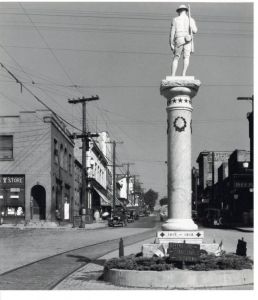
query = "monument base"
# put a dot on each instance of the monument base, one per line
(149, 250)
(179, 224)
(173, 78)
(189, 237)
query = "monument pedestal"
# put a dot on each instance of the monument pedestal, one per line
(179, 228)
(179, 92)
(189, 237)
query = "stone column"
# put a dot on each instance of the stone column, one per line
(179, 92)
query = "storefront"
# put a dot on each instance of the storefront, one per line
(12, 197)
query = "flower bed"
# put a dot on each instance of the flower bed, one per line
(207, 262)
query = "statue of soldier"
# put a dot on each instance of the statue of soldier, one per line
(181, 37)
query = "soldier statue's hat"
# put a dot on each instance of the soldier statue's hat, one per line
(182, 7)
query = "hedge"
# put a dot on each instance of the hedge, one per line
(207, 262)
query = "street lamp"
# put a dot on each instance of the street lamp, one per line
(248, 98)
(246, 164)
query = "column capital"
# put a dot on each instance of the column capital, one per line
(179, 86)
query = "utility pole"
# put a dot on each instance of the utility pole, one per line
(195, 187)
(213, 177)
(137, 191)
(134, 187)
(84, 137)
(114, 171)
(127, 180)
(250, 117)
(134, 176)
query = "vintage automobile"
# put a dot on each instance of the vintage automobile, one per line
(130, 216)
(118, 219)
(213, 217)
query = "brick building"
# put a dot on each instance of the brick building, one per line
(209, 162)
(241, 186)
(36, 163)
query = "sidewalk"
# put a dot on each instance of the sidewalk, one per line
(244, 229)
(86, 278)
(53, 225)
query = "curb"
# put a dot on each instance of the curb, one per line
(54, 228)
(243, 229)
(179, 279)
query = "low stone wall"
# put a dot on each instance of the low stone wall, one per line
(178, 279)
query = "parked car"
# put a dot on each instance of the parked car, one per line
(135, 211)
(130, 216)
(147, 212)
(213, 217)
(163, 213)
(118, 219)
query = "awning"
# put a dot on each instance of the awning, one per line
(118, 202)
(103, 199)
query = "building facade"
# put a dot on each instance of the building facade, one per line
(99, 175)
(77, 188)
(36, 163)
(241, 187)
(209, 162)
(226, 185)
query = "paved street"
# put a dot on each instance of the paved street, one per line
(49, 256)
(48, 246)
(35, 244)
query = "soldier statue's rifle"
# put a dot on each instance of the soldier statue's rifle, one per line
(190, 29)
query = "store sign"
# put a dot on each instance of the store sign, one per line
(14, 181)
(219, 156)
(15, 190)
(239, 184)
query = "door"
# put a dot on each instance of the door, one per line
(38, 194)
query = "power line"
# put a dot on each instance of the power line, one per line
(133, 26)
(36, 97)
(121, 52)
(136, 31)
(124, 16)
(46, 43)
(148, 86)
(22, 69)
(48, 47)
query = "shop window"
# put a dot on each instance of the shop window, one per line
(56, 154)
(12, 196)
(6, 147)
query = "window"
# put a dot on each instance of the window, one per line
(56, 151)
(209, 167)
(6, 147)
(65, 160)
(61, 156)
(70, 164)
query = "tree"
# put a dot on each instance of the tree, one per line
(150, 198)
(163, 201)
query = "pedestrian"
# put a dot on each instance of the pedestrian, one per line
(96, 215)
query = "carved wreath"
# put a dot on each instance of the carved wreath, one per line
(179, 126)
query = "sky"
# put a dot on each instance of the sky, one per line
(120, 52)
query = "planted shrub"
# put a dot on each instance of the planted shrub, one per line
(206, 263)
